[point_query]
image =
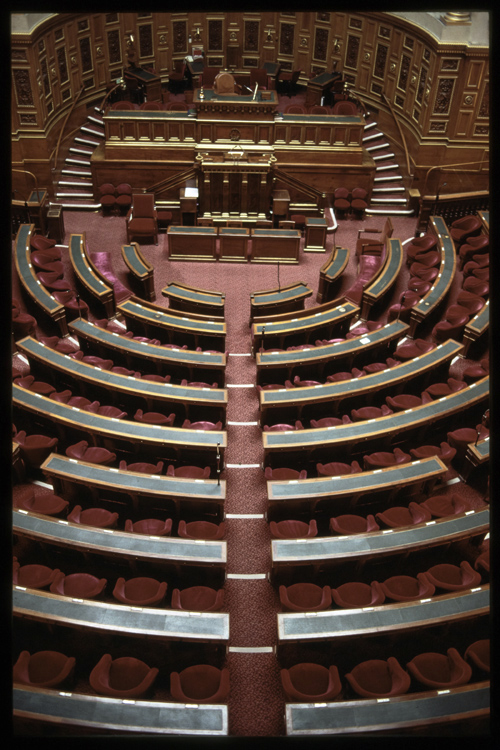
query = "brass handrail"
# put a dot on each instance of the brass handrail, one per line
(295, 182)
(451, 168)
(25, 171)
(401, 133)
(70, 111)
(172, 181)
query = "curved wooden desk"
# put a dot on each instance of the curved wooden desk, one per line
(360, 388)
(27, 276)
(113, 714)
(330, 273)
(123, 545)
(441, 286)
(89, 276)
(186, 361)
(156, 320)
(387, 618)
(190, 299)
(385, 279)
(102, 617)
(284, 299)
(371, 715)
(140, 268)
(347, 436)
(476, 327)
(320, 358)
(65, 472)
(157, 438)
(158, 395)
(377, 544)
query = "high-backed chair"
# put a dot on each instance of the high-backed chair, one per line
(305, 597)
(198, 599)
(472, 302)
(377, 678)
(201, 683)
(344, 108)
(79, 585)
(292, 529)
(295, 109)
(317, 109)
(259, 75)
(440, 670)
(201, 530)
(142, 220)
(403, 588)
(140, 592)
(124, 190)
(359, 203)
(454, 577)
(287, 81)
(126, 677)
(352, 524)
(341, 201)
(43, 669)
(107, 196)
(149, 526)
(308, 683)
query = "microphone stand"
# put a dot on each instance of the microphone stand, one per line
(218, 465)
(79, 308)
(403, 297)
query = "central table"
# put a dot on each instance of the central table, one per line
(192, 243)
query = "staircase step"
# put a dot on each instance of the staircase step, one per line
(386, 167)
(91, 131)
(75, 184)
(75, 173)
(98, 121)
(378, 147)
(389, 200)
(388, 190)
(373, 137)
(82, 151)
(389, 212)
(86, 206)
(86, 141)
(370, 126)
(89, 196)
(78, 161)
(388, 179)
(384, 156)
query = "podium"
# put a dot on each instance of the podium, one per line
(315, 235)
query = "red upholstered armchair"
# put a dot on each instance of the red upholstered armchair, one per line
(33, 576)
(48, 504)
(35, 448)
(43, 669)
(142, 466)
(377, 678)
(189, 472)
(92, 454)
(284, 474)
(305, 597)
(462, 229)
(200, 683)
(79, 585)
(284, 427)
(420, 245)
(330, 421)
(357, 594)
(370, 412)
(201, 530)
(308, 682)
(453, 577)
(188, 425)
(479, 654)
(149, 526)
(292, 529)
(153, 417)
(99, 517)
(125, 677)
(404, 588)
(445, 452)
(142, 220)
(351, 524)
(440, 670)
(337, 468)
(385, 458)
(341, 201)
(401, 516)
(46, 245)
(198, 599)
(415, 348)
(140, 592)
(403, 401)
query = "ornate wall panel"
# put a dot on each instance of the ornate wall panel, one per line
(320, 44)
(380, 61)
(215, 34)
(45, 77)
(63, 68)
(145, 40)
(444, 94)
(421, 85)
(287, 31)
(352, 52)
(179, 36)
(251, 36)
(22, 83)
(114, 47)
(85, 54)
(403, 72)
(484, 109)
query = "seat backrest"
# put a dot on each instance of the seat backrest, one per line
(143, 205)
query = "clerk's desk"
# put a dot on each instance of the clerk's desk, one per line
(235, 106)
(355, 434)
(111, 715)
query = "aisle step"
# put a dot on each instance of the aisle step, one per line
(383, 157)
(379, 147)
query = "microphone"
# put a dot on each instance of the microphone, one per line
(79, 308)
(403, 297)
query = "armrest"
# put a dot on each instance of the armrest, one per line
(374, 231)
(129, 214)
